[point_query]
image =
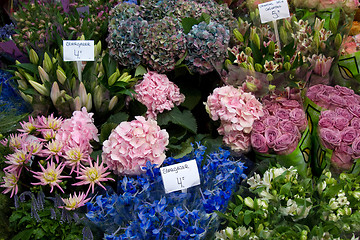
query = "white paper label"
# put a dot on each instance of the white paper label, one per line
(180, 176)
(78, 50)
(273, 10)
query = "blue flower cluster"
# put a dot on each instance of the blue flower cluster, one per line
(6, 31)
(142, 210)
(10, 100)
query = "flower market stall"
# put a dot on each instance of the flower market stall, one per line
(188, 119)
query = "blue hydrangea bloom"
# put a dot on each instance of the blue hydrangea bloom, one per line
(142, 210)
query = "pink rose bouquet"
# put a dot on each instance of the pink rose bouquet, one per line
(237, 112)
(339, 131)
(132, 144)
(157, 93)
(279, 130)
(329, 97)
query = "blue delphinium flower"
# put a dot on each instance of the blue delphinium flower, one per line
(142, 210)
(6, 31)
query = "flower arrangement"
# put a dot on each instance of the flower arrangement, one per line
(237, 112)
(162, 39)
(280, 129)
(141, 210)
(280, 203)
(46, 148)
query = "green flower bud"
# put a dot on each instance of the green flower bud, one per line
(97, 49)
(249, 202)
(243, 65)
(40, 88)
(338, 41)
(26, 97)
(256, 40)
(283, 35)
(271, 47)
(88, 103)
(77, 104)
(258, 67)
(229, 233)
(251, 67)
(293, 19)
(248, 51)
(272, 88)
(269, 77)
(82, 94)
(47, 63)
(17, 74)
(251, 87)
(34, 58)
(60, 74)
(82, 37)
(114, 100)
(124, 77)
(44, 77)
(55, 93)
(22, 84)
(252, 16)
(98, 97)
(333, 25)
(238, 35)
(316, 39)
(227, 63)
(250, 60)
(319, 24)
(28, 76)
(287, 66)
(287, 25)
(112, 79)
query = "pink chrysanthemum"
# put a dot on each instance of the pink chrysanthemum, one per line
(80, 129)
(49, 122)
(53, 149)
(132, 144)
(16, 140)
(50, 176)
(17, 160)
(10, 183)
(28, 127)
(74, 156)
(95, 174)
(75, 201)
(157, 93)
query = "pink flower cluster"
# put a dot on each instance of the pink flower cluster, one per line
(279, 130)
(132, 144)
(51, 144)
(237, 111)
(351, 45)
(321, 64)
(329, 97)
(157, 93)
(339, 130)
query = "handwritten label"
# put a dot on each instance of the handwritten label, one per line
(180, 176)
(78, 50)
(273, 10)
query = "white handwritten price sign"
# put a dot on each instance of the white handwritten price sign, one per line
(78, 50)
(273, 10)
(180, 176)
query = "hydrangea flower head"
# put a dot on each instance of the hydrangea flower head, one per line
(207, 45)
(157, 93)
(132, 144)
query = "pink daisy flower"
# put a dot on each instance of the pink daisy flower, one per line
(10, 183)
(75, 201)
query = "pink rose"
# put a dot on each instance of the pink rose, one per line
(337, 100)
(354, 109)
(258, 127)
(327, 4)
(340, 122)
(271, 121)
(287, 126)
(331, 138)
(345, 148)
(351, 99)
(341, 160)
(282, 113)
(258, 142)
(324, 100)
(344, 113)
(348, 135)
(284, 144)
(356, 147)
(271, 133)
(344, 90)
(313, 92)
(291, 104)
(325, 122)
(328, 114)
(297, 116)
(355, 122)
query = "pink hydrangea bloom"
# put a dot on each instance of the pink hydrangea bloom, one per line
(234, 107)
(78, 130)
(157, 93)
(132, 144)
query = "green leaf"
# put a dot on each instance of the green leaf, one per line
(106, 129)
(205, 18)
(257, 55)
(118, 118)
(181, 59)
(24, 235)
(237, 209)
(188, 23)
(285, 188)
(140, 70)
(184, 119)
(185, 149)
(29, 67)
(247, 217)
(192, 97)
